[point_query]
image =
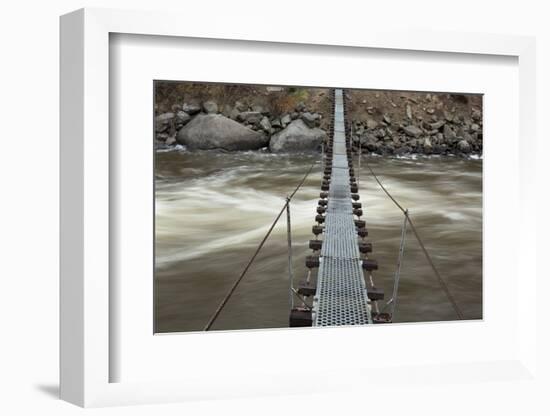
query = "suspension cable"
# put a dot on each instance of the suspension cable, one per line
(234, 286)
(422, 246)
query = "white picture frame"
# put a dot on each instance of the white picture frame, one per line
(85, 221)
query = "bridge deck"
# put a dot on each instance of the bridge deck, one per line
(341, 297)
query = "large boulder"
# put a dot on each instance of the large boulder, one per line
(297, 137)
(214, 131)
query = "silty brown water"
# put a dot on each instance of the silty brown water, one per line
(212, 210)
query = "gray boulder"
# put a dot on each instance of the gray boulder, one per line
(390, 148)
(260, 109)
(296, 137)
(372, 124)
(437, 125)
(276, 123)
(214, 131)
(402, 150)
(300, 106)
(163, 122)
(285, 120)
(412, 131)
(464, 146)
(265, 124)
(162, 137)
(371, 145)
(192, 108)
(170, 141)
(427, 145)
(210, 107)
(448, 133)
(234, 113)
(250, 117)
(182, 118)
(240, 106)
(309, 119)
(476, 115)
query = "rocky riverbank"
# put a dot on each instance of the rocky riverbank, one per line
(422, 123)
(202, 126)
(297, 120)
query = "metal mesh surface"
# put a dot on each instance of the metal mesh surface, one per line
(339, 300)
(341, 297)
(341, 240)
(339, 206)
(339, 148)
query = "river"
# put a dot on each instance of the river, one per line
(212, 210)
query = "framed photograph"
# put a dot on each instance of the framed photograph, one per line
(238, 210)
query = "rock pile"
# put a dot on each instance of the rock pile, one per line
(239, 127)
(416, 124)
(431, 134)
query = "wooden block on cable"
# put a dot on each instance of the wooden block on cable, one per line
(375, 293)
(360, 223)
(315, 244)
(312, 262)
(300, 317)
(365, 247)
(306, 288)
(370, 265)
(381, 318)
(317, 229)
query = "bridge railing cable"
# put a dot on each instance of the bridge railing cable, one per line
(256, 252)
(442, 282)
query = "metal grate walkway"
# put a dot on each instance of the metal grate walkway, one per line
(341, 297)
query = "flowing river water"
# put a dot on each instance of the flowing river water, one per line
(213, 209)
